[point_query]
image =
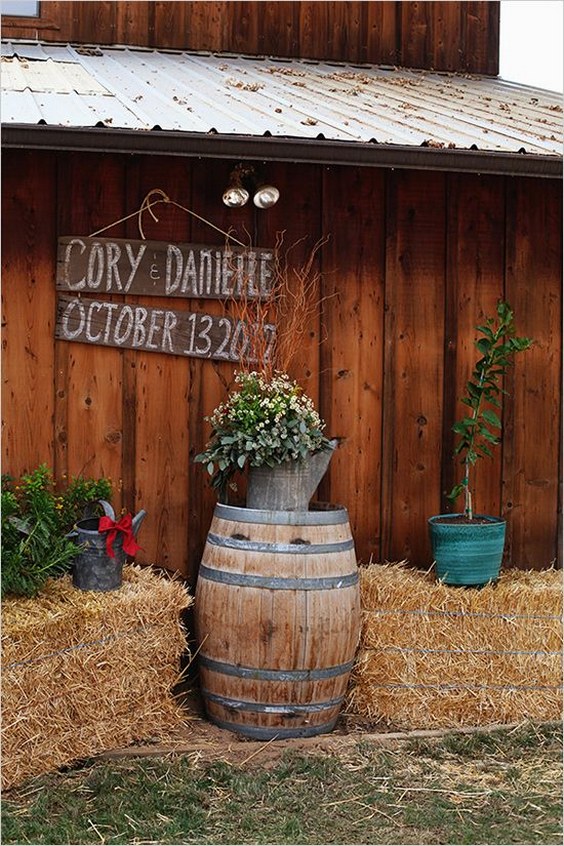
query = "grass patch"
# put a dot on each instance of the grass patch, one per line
(490, 788)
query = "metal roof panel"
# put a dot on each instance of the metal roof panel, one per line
(20, 107)
(47, 76)
(125, 88)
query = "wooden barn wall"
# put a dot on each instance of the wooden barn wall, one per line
(414, 261)
(440, 35)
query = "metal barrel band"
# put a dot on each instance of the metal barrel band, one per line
(323, 517)
(276, 582)
(279, 548)
(289, 710)
(260, 674)
(275, 733)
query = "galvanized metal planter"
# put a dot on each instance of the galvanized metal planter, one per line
(288, 486)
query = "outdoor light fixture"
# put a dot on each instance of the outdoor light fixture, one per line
(236, 195)
(266, 196)
(242, 181)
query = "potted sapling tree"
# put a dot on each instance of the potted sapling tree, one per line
(468, 547)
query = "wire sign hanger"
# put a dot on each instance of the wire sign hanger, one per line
(147, 206)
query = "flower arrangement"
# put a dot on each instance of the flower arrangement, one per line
(35, 520)
(266, 421)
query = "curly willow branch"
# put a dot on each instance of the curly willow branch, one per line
(291, 303)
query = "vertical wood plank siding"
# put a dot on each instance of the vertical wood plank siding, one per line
(529, 486)
(442, 36)
(413, 360)
(29, 236)
(414, 261)
(90, 416)
(353, 308)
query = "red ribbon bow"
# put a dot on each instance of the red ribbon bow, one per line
(130, 545)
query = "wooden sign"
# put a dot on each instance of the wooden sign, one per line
(156, 268)
(91, 321)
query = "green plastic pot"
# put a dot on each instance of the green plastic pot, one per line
(467, 554)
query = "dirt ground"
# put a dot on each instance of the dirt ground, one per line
(209, 742)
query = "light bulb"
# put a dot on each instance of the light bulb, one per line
(234, 197)
(266, 196)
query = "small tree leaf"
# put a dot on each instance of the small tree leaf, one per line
(455, 492)
(485, 330)
(460, 427)
(492, 418)
(493, 439)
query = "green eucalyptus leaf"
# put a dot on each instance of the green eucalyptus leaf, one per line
(22, 526)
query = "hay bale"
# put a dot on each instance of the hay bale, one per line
(84, 672)
(437, 656)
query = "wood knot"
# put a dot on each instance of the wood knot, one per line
(267, 629)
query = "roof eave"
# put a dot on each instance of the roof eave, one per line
(269, 148)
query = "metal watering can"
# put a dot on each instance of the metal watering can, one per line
(95, 567)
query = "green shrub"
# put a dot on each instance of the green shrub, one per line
(35, 521)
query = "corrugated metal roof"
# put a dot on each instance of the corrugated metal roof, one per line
(140, 89)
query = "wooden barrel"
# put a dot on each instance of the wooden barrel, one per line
(277, 617)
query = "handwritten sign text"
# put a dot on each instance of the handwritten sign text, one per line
(156, 268)
(111, 324)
